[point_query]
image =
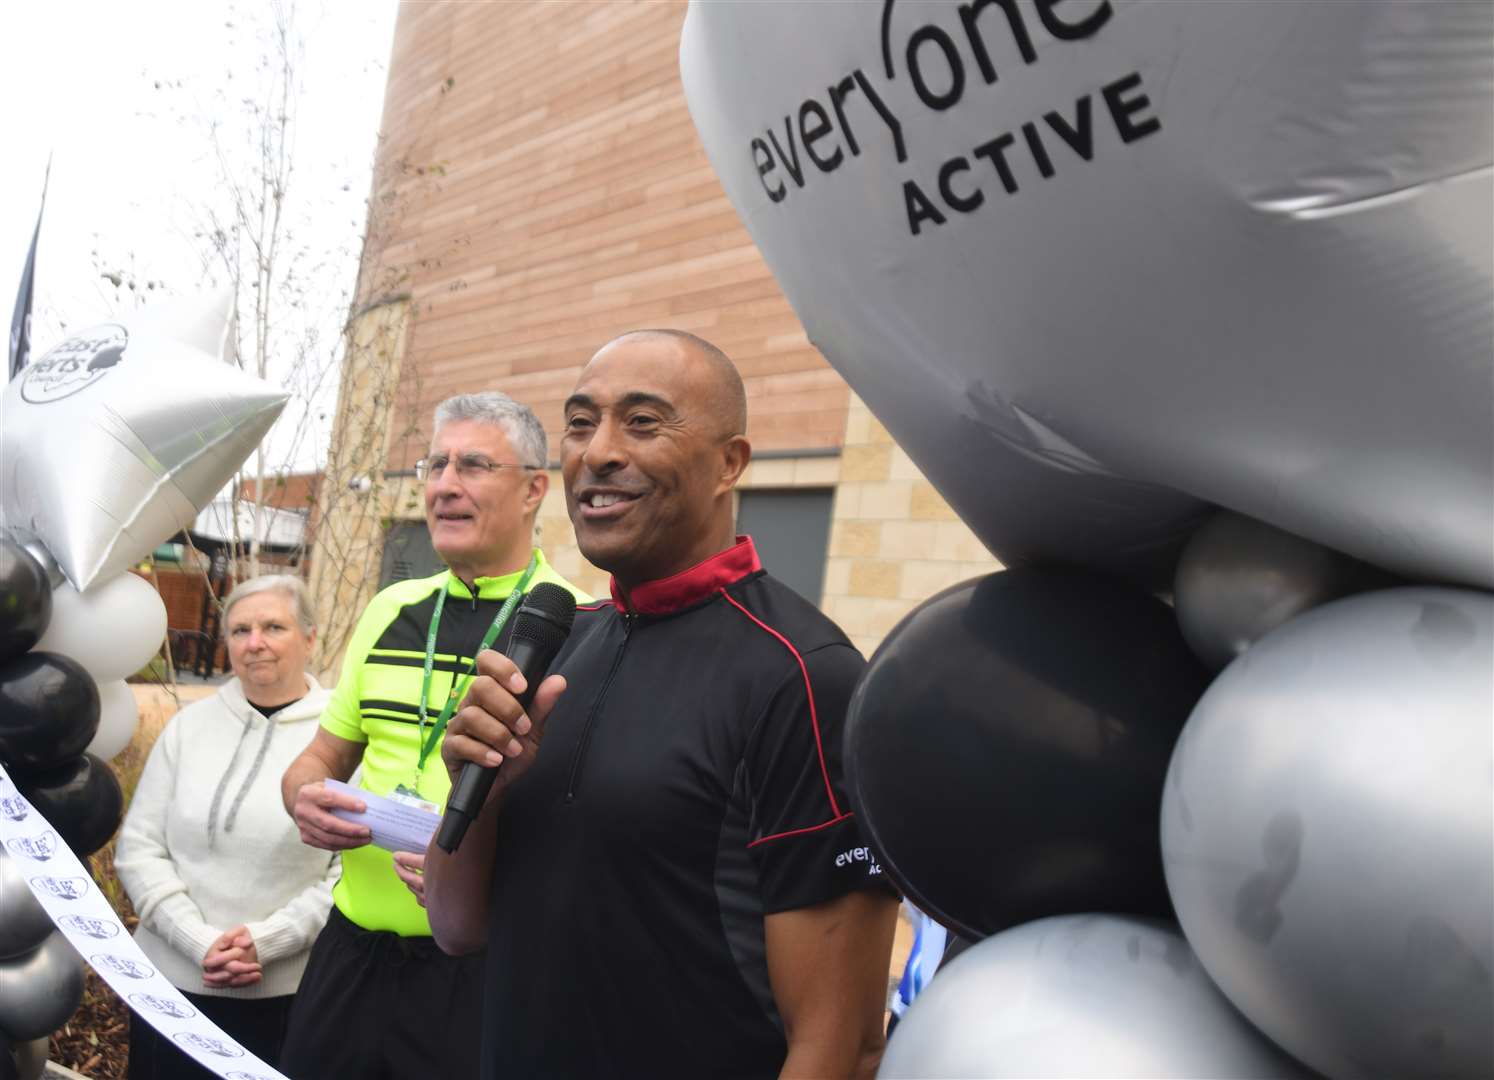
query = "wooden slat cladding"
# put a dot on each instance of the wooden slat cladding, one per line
(550, 193)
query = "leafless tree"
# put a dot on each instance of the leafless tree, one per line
(308, 321)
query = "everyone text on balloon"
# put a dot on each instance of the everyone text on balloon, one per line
(945, 69)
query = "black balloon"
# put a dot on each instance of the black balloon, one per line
(49, 711)
(1238, 579)
(1007, 744)
(81, 799)
(25, 600)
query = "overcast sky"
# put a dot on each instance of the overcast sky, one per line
(130, 164)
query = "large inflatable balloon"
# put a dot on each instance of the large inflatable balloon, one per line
(1079, 996)
(1095, 263)
(1007, 744)
(49, 711)
(112, 629)
(1328, 830)
(81, 799)
(1238, 579)
(40, 990)
(117, 437)
(23, 923)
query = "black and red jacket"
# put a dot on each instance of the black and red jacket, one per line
(688, 784)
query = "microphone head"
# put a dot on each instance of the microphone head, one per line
(545, 617)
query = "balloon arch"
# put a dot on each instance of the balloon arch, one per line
(109, 443)
(1186, 309)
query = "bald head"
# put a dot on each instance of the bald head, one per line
(726, 396)
(654, 443)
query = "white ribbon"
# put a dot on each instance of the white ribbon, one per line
(62, 885)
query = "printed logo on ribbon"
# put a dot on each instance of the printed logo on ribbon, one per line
(208, 1044)
(36, 848)
(98, 929)
(164, 1005)
(63, 888)
(122, 965)
(74, 365)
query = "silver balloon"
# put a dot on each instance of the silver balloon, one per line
(1080, 996)
(1327, 834)
(40, 990)
(1093, 262)
(1239, 578)
(23, 923)
(31, 1058)
(116, 438)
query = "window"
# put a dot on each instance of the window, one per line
(408, 553)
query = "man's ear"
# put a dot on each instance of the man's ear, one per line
(539, 484)
(736, 452)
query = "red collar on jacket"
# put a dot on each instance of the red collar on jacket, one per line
(690, 587)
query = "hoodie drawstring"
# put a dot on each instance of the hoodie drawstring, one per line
(259, 761)
(254, 770)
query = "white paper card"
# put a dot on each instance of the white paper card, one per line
(395, 826)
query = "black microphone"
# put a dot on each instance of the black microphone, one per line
(541, 625)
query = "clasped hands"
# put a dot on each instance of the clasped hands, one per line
(232, 960)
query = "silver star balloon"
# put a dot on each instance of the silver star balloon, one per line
(115, 439)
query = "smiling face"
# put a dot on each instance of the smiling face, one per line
(267, 648)
(650, 454)
(481, 524)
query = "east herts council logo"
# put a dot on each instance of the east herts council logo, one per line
(75, 365)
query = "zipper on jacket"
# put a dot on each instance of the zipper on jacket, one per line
(596, 707)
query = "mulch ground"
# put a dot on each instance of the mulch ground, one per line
(96, 1041)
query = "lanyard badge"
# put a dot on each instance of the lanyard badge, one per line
(406, 793)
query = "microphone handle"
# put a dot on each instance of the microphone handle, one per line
(475, 781)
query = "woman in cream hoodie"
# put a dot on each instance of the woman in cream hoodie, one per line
(230, 900)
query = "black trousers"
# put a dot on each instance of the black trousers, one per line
(376, 1006)
(257, 1023)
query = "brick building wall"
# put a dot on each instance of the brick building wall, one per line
(551, 194)
(893, 540)
(540, 190)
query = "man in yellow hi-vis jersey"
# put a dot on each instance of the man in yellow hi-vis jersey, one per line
(379, 999)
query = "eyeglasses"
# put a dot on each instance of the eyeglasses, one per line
(468, 466)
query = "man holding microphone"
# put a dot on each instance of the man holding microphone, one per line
(378, 998)
(674, 884)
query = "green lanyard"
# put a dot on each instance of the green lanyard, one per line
(459, 686)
